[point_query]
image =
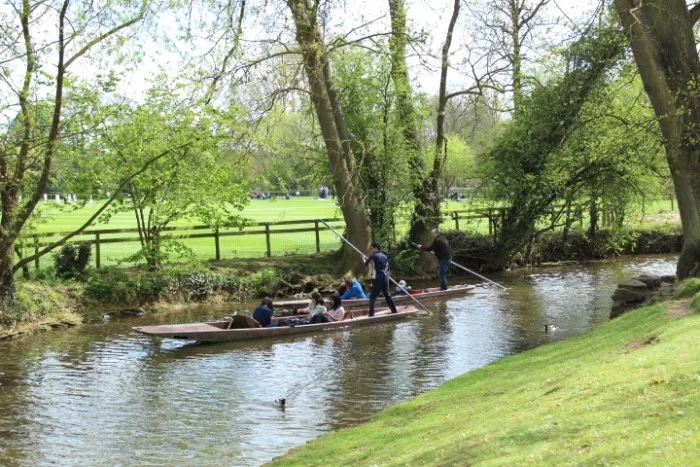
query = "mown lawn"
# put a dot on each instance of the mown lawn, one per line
(247, 246)
(628, 393)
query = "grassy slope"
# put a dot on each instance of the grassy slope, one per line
(626, 393)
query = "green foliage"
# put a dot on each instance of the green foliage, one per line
(695, 302)
(189, 284)
(524, 165)
(71, 261)
(37, 299)
(688, 288)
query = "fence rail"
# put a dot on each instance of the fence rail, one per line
(114, 245)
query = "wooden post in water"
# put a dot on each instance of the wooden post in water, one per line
(97, 250)
(267, 239)
(318, 238)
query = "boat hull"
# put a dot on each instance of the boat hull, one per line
(216, 331)
(426, 294)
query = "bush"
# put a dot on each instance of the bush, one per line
(71, 261)
(688, 288)
(695, 303)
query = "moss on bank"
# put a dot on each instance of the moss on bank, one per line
(625, 394)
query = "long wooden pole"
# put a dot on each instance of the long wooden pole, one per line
(364, 257)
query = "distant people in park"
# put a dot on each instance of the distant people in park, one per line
(263, 313)
(441, 248)
(380, 277)
(323, 192)
(317, 309)
(353, 290)
(336, 312)
(401, 289)
(286, 196)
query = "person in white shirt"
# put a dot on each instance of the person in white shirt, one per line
(336, 311)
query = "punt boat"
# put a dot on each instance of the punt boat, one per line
(421, 294)
(225, 330)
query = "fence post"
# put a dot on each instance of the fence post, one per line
(36, 252)
(489, 215)
(267, 239)
(97, 250)
(455, 216)
(217, 246)
(318, 238)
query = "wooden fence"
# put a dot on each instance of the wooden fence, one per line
(272, 231)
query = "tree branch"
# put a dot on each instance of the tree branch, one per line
(87, 223)
(694, 13)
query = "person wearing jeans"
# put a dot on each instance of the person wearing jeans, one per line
(441, 248)
(380, 284)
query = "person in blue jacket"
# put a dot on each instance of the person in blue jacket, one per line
(354, 290)
(380, 282)
(263, 313)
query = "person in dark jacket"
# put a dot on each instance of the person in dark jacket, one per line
(263, 313)
(441, 248)
(380, 282)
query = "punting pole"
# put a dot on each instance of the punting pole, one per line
(469, 270)
(364, 256)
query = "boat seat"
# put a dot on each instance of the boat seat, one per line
(243, 322)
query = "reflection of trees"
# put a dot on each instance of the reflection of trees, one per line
(432, 352)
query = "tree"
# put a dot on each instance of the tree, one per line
(509, 26)
(193, 182)
(334, 129)
(47, 38)
(522, 166)
(662, 38)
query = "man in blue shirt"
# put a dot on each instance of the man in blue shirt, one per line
(354, 290)
(380, 284)
(263, 313)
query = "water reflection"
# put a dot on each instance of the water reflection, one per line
(101, 394)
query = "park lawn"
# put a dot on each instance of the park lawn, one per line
(627, 393)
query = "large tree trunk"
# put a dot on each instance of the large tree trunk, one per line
(664, 47)
(334, 131)
(426, 213)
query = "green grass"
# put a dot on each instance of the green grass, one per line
(248, 246)
(628, 393)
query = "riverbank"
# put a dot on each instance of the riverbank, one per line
(48, 302)
(625, 393)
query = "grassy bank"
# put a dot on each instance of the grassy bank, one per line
(626, 393)
(49, 302)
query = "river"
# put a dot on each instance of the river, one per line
(100, 394)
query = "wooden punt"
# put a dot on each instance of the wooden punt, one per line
(423, 294)
(216, 331)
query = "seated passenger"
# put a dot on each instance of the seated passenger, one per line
(336, 311)
(401, 289)
(317, 310)
(354, 290)
(263, 313)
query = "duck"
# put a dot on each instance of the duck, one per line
(280, 403)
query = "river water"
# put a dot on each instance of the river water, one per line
(101, 394)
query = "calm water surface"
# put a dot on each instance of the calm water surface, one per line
(101, 394)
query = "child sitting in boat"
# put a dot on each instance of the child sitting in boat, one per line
(336, 311)
(317, 310)
(401, 289)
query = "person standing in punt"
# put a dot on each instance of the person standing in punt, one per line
(441, 248)
(380, 282)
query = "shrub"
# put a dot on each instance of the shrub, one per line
(71, 261)
(695, 303)
(688, 288)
